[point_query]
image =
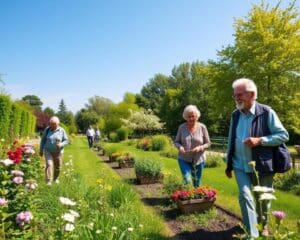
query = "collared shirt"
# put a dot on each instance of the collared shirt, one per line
(51, 138)
(191, 140)
(242, 154)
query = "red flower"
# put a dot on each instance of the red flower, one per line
(194, 193)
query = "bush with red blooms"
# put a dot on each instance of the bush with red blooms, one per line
(202, 192)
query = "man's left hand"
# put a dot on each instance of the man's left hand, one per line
(252, 142)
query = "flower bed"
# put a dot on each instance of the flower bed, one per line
(195, 200)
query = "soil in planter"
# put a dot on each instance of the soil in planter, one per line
(221, 227)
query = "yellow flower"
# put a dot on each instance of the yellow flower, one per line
(252, 164)
(99, 180)
(108, 187)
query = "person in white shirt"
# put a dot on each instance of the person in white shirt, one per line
(90, 134)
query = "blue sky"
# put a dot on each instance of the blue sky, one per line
(75, 49)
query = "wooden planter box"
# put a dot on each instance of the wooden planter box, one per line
(195, 205)
(149, 179)
(126, 164)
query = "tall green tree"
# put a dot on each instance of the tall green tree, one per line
(267, 50)
(100, 105)
(33, 101)
(153, 92)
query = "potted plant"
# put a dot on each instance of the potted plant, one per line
(148, 171)
(113, 157)
(125, 160)
(195, 199)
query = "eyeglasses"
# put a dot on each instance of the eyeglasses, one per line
(238, 95)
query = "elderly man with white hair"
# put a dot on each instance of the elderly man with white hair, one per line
(254, 129)
(52, 146)
(192, 140)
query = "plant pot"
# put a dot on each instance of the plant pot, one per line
(149, 179)
(195, 205)
(297, 147)
(126, 164)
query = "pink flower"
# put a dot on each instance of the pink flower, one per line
(31, 186)
(18, 180)
(3, 202)
(17, 173)
(23, 217)
(278, 214)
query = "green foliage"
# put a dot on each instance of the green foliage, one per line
(33, 101)
(160, 142)
(5, 111)
(122, 133)
(170, 152)
(148, 167)
(173, 183)
(110, 149)
(113, 137)
(84, 118)
(287, 181)
(296, 189)
(121, 195)
(214, 160)
(143, 122)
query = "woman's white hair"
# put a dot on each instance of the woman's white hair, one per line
(191, 108)
(248, 83)
(54, 119)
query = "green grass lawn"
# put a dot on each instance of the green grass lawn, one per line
(227, 188)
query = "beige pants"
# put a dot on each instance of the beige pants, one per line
(53, 161)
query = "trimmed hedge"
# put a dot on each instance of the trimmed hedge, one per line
(15, 121)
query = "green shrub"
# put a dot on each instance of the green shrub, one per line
(122, 133)
(132, 142)
(296, 189)
(160, 142)
(121, 194)
(173, 183)
(148, 167)
(113, 137)
(110, 149)
(213, 160)
(170, 152)
(287, 181)
(145, 144)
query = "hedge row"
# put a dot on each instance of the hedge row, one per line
(15, 121)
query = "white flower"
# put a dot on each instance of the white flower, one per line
(67, 201)
(74, 213)
(112, 215)
(98, 231)
(69, 217)
(263, 189)
(114, 228)
(2, 139)
(130, 229)
(141, 225)
(7, 162)
(91, 225)
(69, 227)
(267, 196)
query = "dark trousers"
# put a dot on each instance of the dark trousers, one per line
(90, 141)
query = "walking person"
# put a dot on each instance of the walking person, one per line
(254, 127)
(52, 147)
(97, 135)
(90, 134)
(192, 140)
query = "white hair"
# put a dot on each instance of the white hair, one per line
(248, 83)
(191, 108)
(54, 119)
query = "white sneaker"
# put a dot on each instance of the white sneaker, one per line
(56, 181)
(48, 183)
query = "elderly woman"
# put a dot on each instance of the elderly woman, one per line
(192, 140)
(52, 146)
